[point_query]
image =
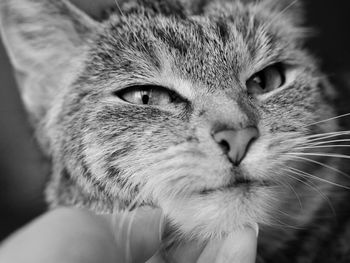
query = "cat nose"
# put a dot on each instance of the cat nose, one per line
(235, 143)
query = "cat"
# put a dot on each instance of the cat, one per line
(212, 110)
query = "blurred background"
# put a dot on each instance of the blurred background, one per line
(23, 170)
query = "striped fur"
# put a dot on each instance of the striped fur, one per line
(107, 154)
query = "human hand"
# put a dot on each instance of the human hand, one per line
(238, 247)
(79, 236)
(74, 235)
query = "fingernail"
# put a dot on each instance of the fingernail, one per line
(161, 227)
(255, 227)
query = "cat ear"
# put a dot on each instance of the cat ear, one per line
(41, 38)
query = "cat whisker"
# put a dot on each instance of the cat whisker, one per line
(328, 141)
(318, 137)
(311, 185)
(321, 164)
(288, 185)
(323, 146)
(336, 133)
(296, 194)
(299, 180)
(120, 10)
(329, 119)
(342, 156)
(282, 224)
(278, 15)
(283, 213)
(308, 175)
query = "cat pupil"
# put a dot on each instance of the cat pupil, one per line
(145, 99)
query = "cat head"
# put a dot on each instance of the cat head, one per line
(197, 107)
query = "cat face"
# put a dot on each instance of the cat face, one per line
(129, 109)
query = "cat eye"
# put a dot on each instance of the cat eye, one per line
(266, 80)
(148, 95)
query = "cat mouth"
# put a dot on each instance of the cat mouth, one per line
(238, 183)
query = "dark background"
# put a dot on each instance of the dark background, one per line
(23, 169)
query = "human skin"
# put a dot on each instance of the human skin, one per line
(77, 236)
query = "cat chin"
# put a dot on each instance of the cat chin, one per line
(217, 214)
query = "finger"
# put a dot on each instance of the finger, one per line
(49, 238)
(210, 252)
(138, 234)
(186, 253)
(239, 247)
(157, 258)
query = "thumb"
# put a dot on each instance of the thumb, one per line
(137, 233)
(239, 247)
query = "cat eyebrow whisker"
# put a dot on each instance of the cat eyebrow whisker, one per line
(128, 24)
(278, 15)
